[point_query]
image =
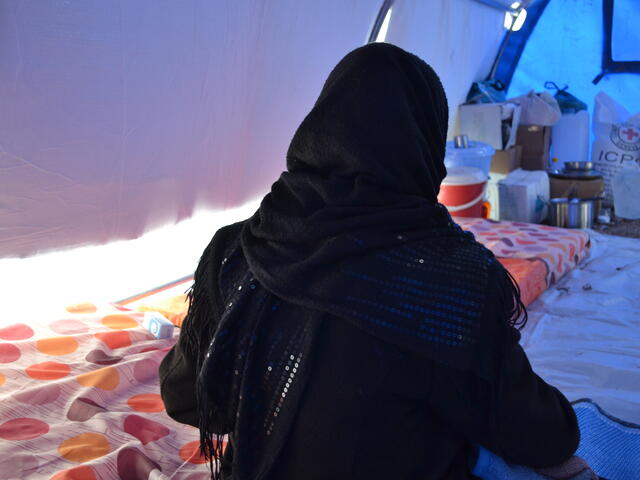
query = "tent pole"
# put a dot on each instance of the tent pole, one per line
(377, 24)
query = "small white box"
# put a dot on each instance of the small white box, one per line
(523, 196)
(158, 325)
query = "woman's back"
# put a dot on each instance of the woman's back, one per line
(350, 329)
(365, 415)
(369, 409)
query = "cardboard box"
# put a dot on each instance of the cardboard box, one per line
(581, 188)
(505, 161)
(492, 123)
(535, 141)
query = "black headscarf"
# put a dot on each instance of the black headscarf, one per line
(352, 231)
(367, 160)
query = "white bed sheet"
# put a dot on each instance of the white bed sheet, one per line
(585, 331)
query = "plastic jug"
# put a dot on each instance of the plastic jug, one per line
(570, 139)
(626, 194)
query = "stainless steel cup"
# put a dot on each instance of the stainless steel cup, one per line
(573, 213)
(559, 212)
(586, 213)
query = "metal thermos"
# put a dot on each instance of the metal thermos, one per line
(572, 213)
(559, 212)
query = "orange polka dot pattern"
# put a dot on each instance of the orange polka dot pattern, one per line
(82, 400)
(119, 321)
(146, 402)
(57, 345)
(84, 447)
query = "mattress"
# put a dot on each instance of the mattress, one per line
(79, 399)
(536, 255)
(79, 393)
(560, 249)
(530, 274)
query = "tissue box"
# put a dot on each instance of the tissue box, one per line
(157, 325)
(523, 196)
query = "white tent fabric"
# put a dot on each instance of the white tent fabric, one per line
(118, 117)
(585, 331)
(32, 288)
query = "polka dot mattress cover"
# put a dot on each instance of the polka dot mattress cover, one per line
(559, 249)
(79, 399)
(79, 393)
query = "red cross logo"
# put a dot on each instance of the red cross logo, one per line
(630, 133)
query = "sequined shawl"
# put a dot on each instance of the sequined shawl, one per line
(352, 231)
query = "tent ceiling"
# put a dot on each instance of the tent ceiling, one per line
(566, 46)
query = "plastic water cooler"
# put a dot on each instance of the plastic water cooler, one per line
(570, 139)
(464, 189)
(462, 152)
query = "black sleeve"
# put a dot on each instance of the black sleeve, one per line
(178, 370)
(517, 415)
(178, 386)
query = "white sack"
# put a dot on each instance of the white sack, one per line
(626, 193)
(617, 140)
(538, 109)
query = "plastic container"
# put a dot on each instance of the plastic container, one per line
(463, 191)
(463, 152)
(626, 194)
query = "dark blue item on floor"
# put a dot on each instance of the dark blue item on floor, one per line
(610, 446)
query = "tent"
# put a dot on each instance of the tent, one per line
(131, 131)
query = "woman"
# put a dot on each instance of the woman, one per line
(350, 329)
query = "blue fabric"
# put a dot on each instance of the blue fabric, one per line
(491, 467)
(609, 445)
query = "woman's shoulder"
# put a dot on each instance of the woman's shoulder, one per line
(222, 244)
(228, 233)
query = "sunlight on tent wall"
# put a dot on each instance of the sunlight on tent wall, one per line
(33, 289)
(120, 117)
